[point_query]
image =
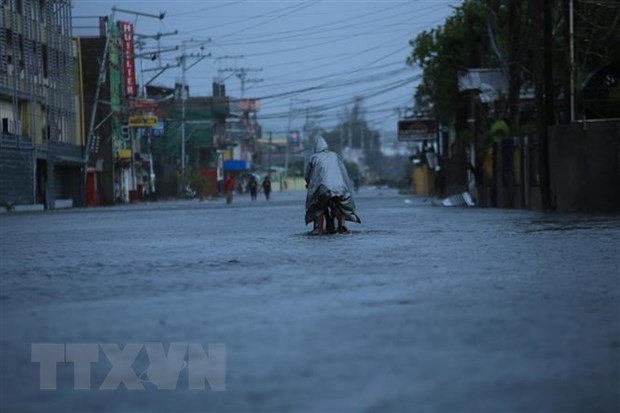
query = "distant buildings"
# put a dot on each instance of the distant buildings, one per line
(68, 138)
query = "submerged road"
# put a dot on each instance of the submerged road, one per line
(419, 308)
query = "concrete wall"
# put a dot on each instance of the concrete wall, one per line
(16, 176)
(585, 167)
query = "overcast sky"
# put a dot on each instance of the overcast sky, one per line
(299, 54)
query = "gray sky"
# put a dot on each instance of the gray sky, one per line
(316, 53)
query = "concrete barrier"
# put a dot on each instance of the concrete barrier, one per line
(63, 203)
(22, 208)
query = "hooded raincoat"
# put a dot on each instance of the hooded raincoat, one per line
(328, 184)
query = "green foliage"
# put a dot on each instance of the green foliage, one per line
(499, 130)
(445, 50)
(498, 34)
(597, 35)
(354, 131)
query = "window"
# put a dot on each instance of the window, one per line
(42, 10)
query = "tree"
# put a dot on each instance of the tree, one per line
(312, 126)
(498, 34)
(354, 132)
(444, 51)
(596, 50)
(530, 42)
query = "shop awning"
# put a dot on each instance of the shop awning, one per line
(236, 165)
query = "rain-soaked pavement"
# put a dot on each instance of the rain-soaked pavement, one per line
(419, 308)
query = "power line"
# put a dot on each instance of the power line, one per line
(210, 9)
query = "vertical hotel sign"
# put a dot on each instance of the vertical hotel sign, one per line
(128, 59)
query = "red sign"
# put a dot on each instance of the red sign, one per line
(421, 129)
(143, 105)
(126, 29)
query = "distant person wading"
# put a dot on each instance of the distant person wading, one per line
(267, 187)
(253, 187)
(229, 186)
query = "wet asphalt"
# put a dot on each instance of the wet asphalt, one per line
(418, 309)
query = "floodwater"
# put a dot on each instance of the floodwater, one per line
(419, 308)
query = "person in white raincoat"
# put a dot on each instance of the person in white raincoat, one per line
(329, 192)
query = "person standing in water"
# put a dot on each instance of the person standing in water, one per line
(329, 191)
(267, 187)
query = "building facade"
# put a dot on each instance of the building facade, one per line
(42, 135)
(204, 118)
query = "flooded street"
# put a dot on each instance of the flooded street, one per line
(419, 308)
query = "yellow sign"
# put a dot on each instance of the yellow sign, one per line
(142, 121)
(124, 154)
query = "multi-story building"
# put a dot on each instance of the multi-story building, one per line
(204, 118)
(42, 134)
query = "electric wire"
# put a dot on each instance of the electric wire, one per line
(324, 79)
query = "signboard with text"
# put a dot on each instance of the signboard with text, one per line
(421, 129)
(142, 121)
(128, 58)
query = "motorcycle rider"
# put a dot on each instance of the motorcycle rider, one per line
(329, 193)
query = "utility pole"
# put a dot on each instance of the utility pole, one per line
(156, 37)
(103, 68)
(184, 68)
(288, 137)
(541, 29)
(309, 132)
(183, 99)
(549, 106)
(218, 59)
(241, 74)
(571, 39)
(363, 139)
(269, 155)
(154, 55)
(288, 132)
(150, 55)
